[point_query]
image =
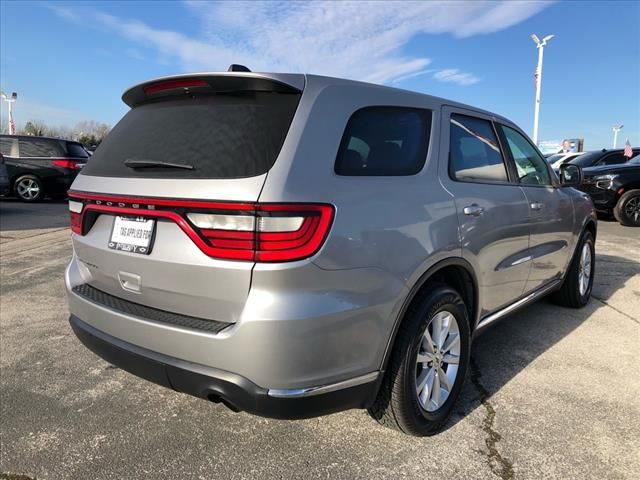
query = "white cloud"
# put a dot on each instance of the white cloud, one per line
(455, 76)
(360, 40)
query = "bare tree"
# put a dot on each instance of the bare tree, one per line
(35, 127)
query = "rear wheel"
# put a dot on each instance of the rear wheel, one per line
(428, 364)
(627, 210)
(28, 188)
(578, 282)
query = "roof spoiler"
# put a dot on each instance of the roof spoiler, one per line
(236, 79)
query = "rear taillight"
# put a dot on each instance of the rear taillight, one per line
(75, 212)
(69, 164)
(232, 231)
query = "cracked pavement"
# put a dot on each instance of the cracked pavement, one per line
(553, 392)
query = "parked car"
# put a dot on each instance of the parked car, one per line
(41, 166)
(293, 245)
(4, 178)
(560, 158)
(603, 157)
(615, 189)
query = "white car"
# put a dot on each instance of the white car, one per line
(559, 158)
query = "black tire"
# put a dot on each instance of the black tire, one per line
(627, 210)
(24, 188)
(396, 405)
(569, 294)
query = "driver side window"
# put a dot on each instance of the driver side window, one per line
(531, 167)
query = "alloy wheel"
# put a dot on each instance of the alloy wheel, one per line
(437, 361)
(584, 269)
(28, 189)
(632, 209)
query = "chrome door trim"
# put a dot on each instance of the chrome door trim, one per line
(516, 305)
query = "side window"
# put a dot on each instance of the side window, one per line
(613, 159)
(384, 141)
(6, 146)
(531, 167)
(474, 153)
(37, 147)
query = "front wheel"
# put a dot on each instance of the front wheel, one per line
(578, 282)
(428, 364)
(627, 210)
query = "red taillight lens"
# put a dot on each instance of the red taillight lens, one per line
(230, 231)
(70, 164)
(174, 85)
(282, 244)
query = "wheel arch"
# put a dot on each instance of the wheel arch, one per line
(455, 272)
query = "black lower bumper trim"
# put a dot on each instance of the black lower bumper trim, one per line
(234, 390)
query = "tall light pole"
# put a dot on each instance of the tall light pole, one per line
(616, 129)
(538, 76)
(10, 101)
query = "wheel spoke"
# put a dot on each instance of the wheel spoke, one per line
(424, 357)
(434, 396)
(427, 342)
(436, 329)
(444, 330)
(444, 380)
(451, 359)
(452, 341)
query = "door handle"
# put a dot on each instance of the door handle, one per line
(473, 210)
(536, 206)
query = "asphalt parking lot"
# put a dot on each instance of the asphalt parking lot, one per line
(554, 393)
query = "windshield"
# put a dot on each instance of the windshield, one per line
(635, 160)
(555, 157)
(227, 135)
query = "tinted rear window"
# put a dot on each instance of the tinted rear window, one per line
(231, 135)
(384, 141)
(39, 147)
(76, 150)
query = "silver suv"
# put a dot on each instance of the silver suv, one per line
(295, 245)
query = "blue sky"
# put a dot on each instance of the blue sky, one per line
(71, 61)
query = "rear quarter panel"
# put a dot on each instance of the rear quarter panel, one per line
(387, 231)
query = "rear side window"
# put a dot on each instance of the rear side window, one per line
(613, 159)
(76, 150)
(5, 146)
(384, 141)
(474, 152)
(226, 135)
(40, 147)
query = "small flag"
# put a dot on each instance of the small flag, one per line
(627, 150)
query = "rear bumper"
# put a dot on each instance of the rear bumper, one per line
(216, 385)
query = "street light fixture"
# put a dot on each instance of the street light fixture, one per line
(538, 76)
(616, 129)
(10, 101)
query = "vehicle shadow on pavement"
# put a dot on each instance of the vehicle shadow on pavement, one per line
(20, 216)
(507, 348)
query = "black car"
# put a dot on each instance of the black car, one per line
(616, 189)
(4, 177)
(39, 166)
(603, 157)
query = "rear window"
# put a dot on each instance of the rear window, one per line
(230, 135)
(39, 147)
(76, 150)
(384, 141)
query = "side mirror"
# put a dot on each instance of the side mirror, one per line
(571, 175)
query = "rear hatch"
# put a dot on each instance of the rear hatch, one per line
(164, 212)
